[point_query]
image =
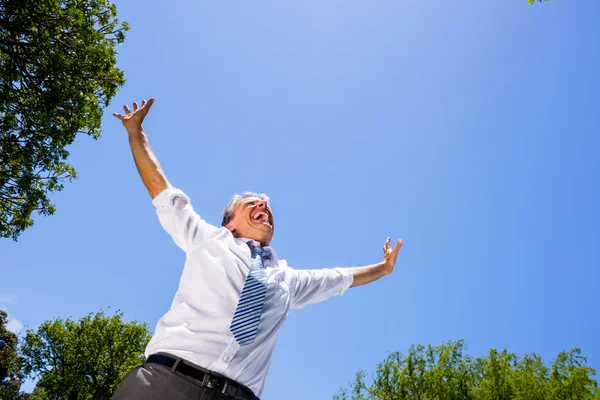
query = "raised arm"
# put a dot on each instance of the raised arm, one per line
(173, 207)
(370, 273)
(315, 285)
(145, 160)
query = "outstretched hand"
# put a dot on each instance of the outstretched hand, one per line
(133, 120)
(390, 255)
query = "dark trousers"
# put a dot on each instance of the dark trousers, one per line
(156, 382)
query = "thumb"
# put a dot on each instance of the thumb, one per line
(149, 103)
(398, 247)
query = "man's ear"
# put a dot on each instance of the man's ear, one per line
(230, 226)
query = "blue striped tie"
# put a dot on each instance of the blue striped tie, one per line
(246, 318)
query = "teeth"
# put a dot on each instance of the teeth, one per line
(260, 215)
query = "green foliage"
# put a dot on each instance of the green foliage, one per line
(57, 72)
(446, 372)
(533, 1)
(10, 365)
(84, 359)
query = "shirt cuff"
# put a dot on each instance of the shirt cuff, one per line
(165, 198)
(347, 277)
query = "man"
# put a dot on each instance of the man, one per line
(217, 339)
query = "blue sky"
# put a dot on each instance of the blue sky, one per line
(469, 129)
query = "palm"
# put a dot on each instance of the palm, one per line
(134, 119)
(389, 254)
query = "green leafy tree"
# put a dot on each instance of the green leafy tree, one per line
(10, 365)
(495, 376)
(571, 378)
(533, 1)
(84, 359)
(446, 372)
(432, 372)
(531, 378)
(57, 72)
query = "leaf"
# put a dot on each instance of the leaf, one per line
(89, 356)
(447, 372)
(57, 72)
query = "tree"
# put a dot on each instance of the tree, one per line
(533, 1)
(10, 366)
(84, 359)
(571, 378)
(57, 71)
(446, 372)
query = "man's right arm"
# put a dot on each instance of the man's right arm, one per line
(145, 160)
(173, 207)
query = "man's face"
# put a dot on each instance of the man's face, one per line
(253, 219)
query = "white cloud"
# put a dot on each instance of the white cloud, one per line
(8, 299)
(14, 325)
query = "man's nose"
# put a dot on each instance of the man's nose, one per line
(261, 204)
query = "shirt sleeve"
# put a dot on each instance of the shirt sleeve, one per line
(316, 285)
(178, 218)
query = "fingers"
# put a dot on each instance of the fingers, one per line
(145, 105)
(386, 245)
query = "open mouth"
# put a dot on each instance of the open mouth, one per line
(262, 217)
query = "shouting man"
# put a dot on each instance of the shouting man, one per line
(217, 340)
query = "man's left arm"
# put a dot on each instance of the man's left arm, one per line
(316, 285)
(370, 273)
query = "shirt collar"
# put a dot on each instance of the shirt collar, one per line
(274, 261)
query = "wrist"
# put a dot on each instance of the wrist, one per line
(135, 130)
(385, 268)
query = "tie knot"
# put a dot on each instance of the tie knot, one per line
(259, 251)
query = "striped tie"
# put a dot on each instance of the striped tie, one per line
(246, 318)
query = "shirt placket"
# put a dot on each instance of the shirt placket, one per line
(226, 356)
(233, 346)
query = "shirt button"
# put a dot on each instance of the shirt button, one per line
(227, 358)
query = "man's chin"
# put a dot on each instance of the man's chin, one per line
(262, 235)
(263, 226)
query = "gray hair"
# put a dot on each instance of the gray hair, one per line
(235, 200)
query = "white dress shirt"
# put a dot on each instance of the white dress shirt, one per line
(196, 328)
